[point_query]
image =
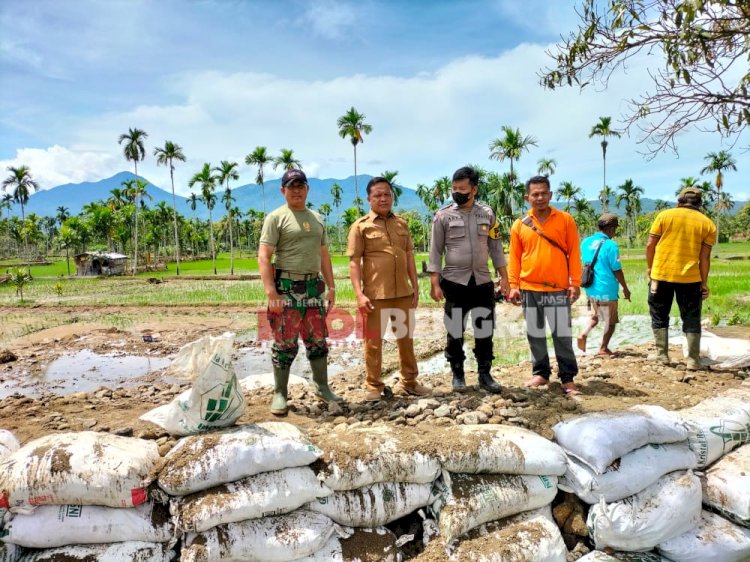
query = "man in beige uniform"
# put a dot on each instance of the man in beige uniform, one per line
(384, 277)
(295, 289)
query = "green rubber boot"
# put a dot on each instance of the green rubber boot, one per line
(694, 352)
(281, 380)
(319, 366)
(661, 338)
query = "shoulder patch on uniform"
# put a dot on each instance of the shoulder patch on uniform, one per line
(495, 233)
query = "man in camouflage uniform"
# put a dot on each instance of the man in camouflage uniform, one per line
(295, 289)
(467, 234)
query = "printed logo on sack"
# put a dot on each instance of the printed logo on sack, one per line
(217, 409)
(73, 510)
(732, 432)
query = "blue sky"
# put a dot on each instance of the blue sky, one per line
(435, 79)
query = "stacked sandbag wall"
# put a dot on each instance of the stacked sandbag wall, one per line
(79, 495)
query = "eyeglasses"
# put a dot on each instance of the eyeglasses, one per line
(296, 185)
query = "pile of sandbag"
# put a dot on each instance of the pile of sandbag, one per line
(84, 495)
(238, 494)
(8, 444)
(635, 467)
(492, 473)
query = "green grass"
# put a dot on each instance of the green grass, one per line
(729, 301)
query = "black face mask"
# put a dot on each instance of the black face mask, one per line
(460, 198)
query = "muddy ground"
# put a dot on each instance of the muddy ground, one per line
(607, 383)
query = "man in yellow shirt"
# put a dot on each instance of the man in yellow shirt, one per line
(544, 274)
(678, 258)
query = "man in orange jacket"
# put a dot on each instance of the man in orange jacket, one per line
(544, 274)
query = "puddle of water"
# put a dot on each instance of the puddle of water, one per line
(85, 371)
(252, 361)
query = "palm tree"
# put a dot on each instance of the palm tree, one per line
(21, 184)
(661, 205)
(325, 211)
(287, 161)
(336, 194)
(167, 155)
(390, 176)
(546, 166)
(441, 189)
(584, 215)
(511, 146)
(228, 200)
(352, 126)
(603, 129)
(504, 194)
(605, 195)
(135, 151)
(193, 201)
(719, 162)
(62, 215)
(568, 191)
(259, 157)
(207, 184)
(631, 195)
(5, 202)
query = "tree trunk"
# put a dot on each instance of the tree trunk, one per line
(231, 246)
(176, 232)
(213, 245)
(356, 188)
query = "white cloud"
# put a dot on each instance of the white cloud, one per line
(425, 126)
(57, 165)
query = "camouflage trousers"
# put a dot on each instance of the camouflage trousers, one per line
(303, 316)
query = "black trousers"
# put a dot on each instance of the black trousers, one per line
(460, 300)
(552, 308)
(689, 301)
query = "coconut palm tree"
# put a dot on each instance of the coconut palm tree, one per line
(604, 129)
(390, 176)
(260, 158)
(352, 126)
(719, 162)
(546, 166)
(134, 150)
(441, 189)
(287, 161)
(605, 195)
(193, 201)
(62, 214)
(336, 192)
(6, 202)
(20, 184)
(630, 194)
(166, 156)
(207, 183)
(568, 191)
(228, 201)
(510, 146)
(325, 211)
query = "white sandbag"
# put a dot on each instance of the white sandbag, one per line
(714, 539)
(271, 539)
(719, 349)
(8, 443)
(200, 462)
(726, 486)
(358, 545)
(262, 495)
(599, 556)
(465, 501)
(114, 552)
(9, 553)
(527, 537)
(354, 458)
(599, 438)
(499, 449)
(628, 475)
(89, 524)
(664, 510)
(374, 505)
(717, 425)
(86, 468)
(215, 399)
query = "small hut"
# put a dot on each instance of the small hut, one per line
(94, 264)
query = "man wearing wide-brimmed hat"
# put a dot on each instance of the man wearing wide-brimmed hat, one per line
(678, 259)
(601, 250)
(295, 289)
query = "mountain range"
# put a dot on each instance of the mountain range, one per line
(74, 196)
